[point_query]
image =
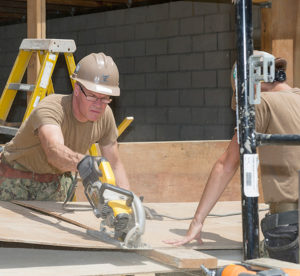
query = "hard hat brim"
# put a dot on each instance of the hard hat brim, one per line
(99, 88)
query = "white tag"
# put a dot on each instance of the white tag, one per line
(37, 100)
(251, 162)
(52, 56)
(46, 75)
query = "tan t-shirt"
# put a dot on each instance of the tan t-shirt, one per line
(279, 113)
(25, 148)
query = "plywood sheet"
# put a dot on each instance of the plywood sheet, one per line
(172, 171)
(218, 233)
(25, 226)
(41, 262)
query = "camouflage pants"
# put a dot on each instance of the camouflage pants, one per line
(29, 189)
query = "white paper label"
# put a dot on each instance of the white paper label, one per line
(37, 100)
(52, 57)
(46, 75)
(251, 162)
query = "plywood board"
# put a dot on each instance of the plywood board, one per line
(25, 226)
(218, 233)
(41, 262)
(172, 171)
(181, 257)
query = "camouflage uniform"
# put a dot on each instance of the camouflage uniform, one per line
(29, 189)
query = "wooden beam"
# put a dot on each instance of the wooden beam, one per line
(36, 28)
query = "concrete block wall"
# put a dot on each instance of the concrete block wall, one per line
(174, 61)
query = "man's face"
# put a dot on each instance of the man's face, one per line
(91, 105)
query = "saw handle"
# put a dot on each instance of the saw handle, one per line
(118, 190)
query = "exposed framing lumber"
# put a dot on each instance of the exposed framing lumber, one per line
(36, 28)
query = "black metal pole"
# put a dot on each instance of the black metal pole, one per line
(277, 139)
(246, 124)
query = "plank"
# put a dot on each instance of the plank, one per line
(181, 257)
(20, 225)
(48, 262)
(272, 263)
(172, 171)
(218, 232)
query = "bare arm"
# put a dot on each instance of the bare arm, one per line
(58, 155)
(111, 153)
(221, 174)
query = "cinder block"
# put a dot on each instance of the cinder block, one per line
(125, 65)
(144, 64)
(179, 115)
(201, 8)
(217, 60)
(157, 12)
(226, 116)
(204, 79)
(105, 35)
(168, 98)
(226, 8)
(144, 132)
(193, 97)
(224, 78)
(226, 40)
(167, 28)
(216, 23)
(127, 98)
(205, 42)
(114, 50)
(205, 115)
(156, 81)
(181, 44)
(156, 47)
(181, 9)
(217, 97)
(167, 132)
(135, 15)
(147, 30)
(168, 63)
(193, 25)
(145, 98)
(179, 80)
(113, 18)
(191, 132)
(156, 115)
(138, 113)
(218, 132)
(191, 62)
(134, 81)
(125, 33)
(135, 48)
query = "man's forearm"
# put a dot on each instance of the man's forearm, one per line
(63, 158)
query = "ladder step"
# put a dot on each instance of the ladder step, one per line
(8, 130)
(21, 86)
(51, 45)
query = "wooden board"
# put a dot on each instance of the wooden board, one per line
(41, 262)
(181, 258)
(20, 225)
(172, 171)
(218, 233)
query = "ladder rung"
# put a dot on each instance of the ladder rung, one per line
(51, 45)
(21, 86)
(8, 130)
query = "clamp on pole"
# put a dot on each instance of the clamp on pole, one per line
(261, 68)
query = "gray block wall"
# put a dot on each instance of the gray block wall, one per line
(174, 61)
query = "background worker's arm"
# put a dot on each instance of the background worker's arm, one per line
(58, 155)
(111, 153)
(221, 174)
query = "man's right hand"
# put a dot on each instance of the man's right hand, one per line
(88, 169)
(194, 233)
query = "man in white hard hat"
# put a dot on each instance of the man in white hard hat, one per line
(278, 113)
(37, 163)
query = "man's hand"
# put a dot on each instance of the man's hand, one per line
(88, 169)
(194, 233)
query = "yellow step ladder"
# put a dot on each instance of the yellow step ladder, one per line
(48, 51)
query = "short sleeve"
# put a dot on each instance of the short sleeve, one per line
(262, 116)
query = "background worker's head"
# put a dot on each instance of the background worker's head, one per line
(97, 79)
(280, 77)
